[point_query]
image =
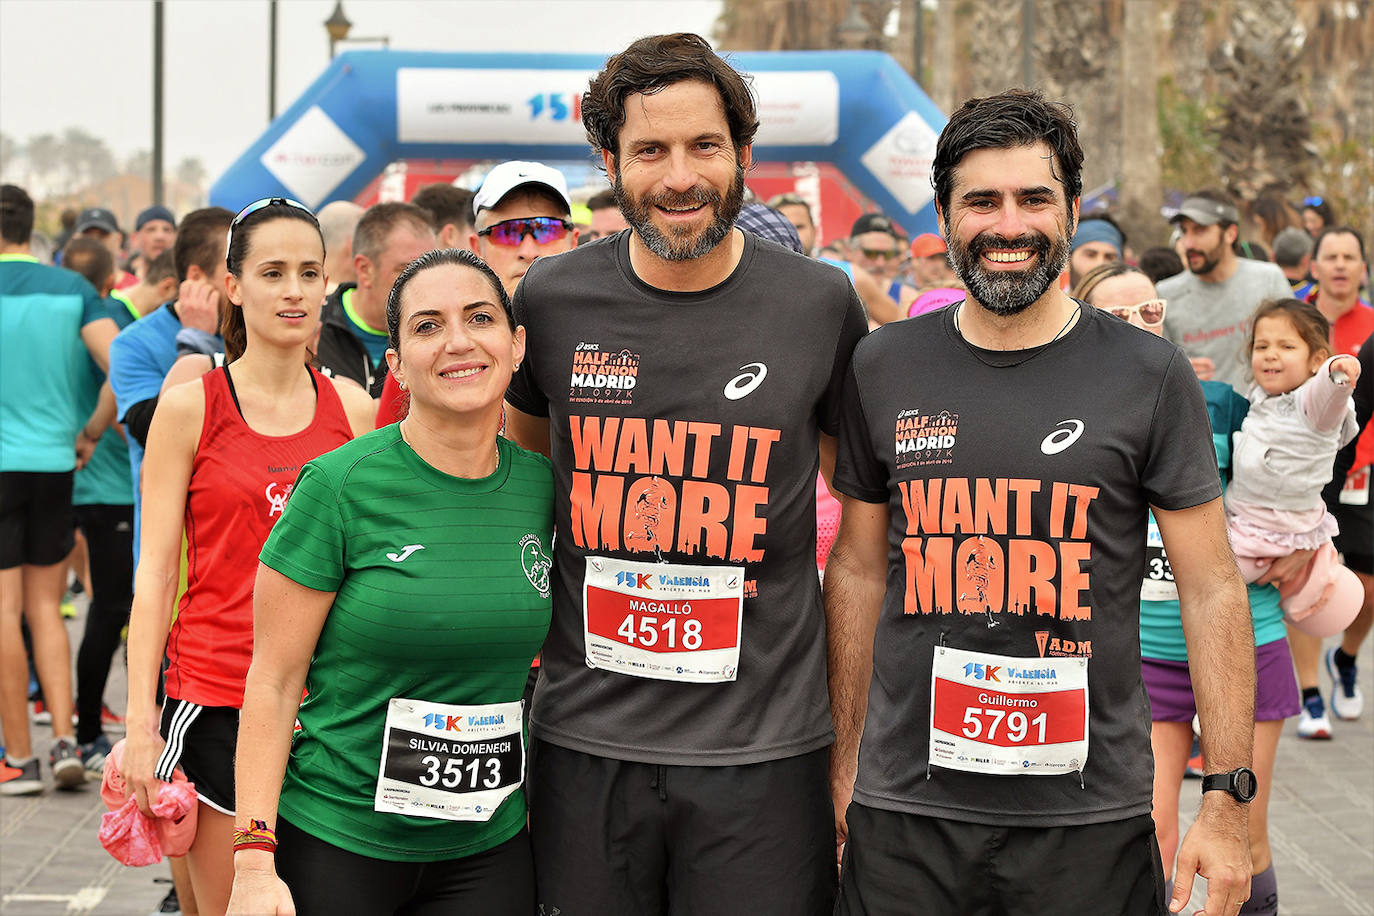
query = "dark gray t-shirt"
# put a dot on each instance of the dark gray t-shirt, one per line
(1018, 494)
(684, 430)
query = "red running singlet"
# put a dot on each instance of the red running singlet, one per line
(240, 482)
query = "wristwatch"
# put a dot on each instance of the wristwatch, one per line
(1239, 782)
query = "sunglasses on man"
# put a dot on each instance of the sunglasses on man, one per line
(511, 232)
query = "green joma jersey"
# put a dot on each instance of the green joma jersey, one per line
(443, 597)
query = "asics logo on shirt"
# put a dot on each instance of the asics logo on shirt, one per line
(750, 377)
(404, 552)
(1066, 433)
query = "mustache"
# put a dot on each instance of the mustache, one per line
(695, 196)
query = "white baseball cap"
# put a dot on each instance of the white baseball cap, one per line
(508, 176)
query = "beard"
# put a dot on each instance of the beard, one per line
(1210, 260)
(1008, 292)
(680, 243)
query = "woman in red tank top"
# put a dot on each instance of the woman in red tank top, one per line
(223, 453)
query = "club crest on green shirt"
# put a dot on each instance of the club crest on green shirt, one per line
(535, 560)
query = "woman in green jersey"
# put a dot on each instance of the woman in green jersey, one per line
(406, 588)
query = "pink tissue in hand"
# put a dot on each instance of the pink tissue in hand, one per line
(131, 836)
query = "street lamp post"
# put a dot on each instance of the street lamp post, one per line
(337, 25)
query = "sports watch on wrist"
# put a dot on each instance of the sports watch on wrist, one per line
(1240, 783)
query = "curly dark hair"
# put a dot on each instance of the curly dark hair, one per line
(654, 63)
(1017, 117)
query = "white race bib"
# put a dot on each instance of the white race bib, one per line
(1002, 715)
(1158, 584)
(666, 621)
(455, 763)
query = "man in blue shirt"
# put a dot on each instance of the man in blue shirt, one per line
(50, 320)
(144, 352)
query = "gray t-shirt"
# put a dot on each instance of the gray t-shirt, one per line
(1017, 485)
(684, 430)
(1213, 319)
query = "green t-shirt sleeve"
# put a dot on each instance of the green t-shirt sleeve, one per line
(307, 543)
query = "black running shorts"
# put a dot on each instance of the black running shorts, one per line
(201, 740)
(893, 860)
(618, 838)
(36, 526)
(1356, 538)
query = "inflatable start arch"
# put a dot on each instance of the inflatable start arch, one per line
(856, 109)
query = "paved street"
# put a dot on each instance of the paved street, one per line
(1321, 828)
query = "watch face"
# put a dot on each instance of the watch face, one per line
(1245, 784)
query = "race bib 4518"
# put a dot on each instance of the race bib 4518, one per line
(665, 621)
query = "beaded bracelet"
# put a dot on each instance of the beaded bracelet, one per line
(257, 836)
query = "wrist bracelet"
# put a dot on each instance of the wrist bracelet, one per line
(257, 836)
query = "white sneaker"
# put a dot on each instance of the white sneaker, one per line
(1314, 723)
(1346, 700)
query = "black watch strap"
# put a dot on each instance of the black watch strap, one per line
(1240, 783)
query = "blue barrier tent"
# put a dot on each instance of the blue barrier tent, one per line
(856, 109)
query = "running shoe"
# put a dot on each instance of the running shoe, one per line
(43, 716)
(93, 758)
(65, 761)
(1314, 723)
(1193, 768)
(22, 780)
(1346, 700)
(110, 720)
(170, 905)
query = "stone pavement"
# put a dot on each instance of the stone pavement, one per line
(1321, 829)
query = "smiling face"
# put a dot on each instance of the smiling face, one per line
(457, 347)
(677, 177)
(1338, 267)
(1008, 226)
(1280, 357)
(281, 285)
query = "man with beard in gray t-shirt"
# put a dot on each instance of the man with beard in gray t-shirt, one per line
(998, 459)
(1210, 303)
(684, 377)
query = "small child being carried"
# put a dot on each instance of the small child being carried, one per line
(1300, 415)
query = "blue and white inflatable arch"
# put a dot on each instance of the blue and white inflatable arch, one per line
(856, 109)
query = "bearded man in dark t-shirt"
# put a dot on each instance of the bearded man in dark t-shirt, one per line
(684, 377)
(998, 458)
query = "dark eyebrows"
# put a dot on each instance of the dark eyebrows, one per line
(281, 262)
(983, 193)
(426, 313)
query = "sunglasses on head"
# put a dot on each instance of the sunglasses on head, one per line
(512, 232)
(1312, 201)
(1151, 311)
(257, 205)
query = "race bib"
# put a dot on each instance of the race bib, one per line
(1158, 584)
(661, 620)
(1002, 715)
(455, 763)
(1355, 492)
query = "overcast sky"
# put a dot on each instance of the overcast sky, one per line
(88, 63)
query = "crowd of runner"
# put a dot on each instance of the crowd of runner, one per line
(465, 545)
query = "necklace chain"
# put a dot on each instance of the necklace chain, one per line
(1078, 308)
(401, 427)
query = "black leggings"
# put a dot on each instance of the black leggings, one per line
(109, 534)
(325, 879)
